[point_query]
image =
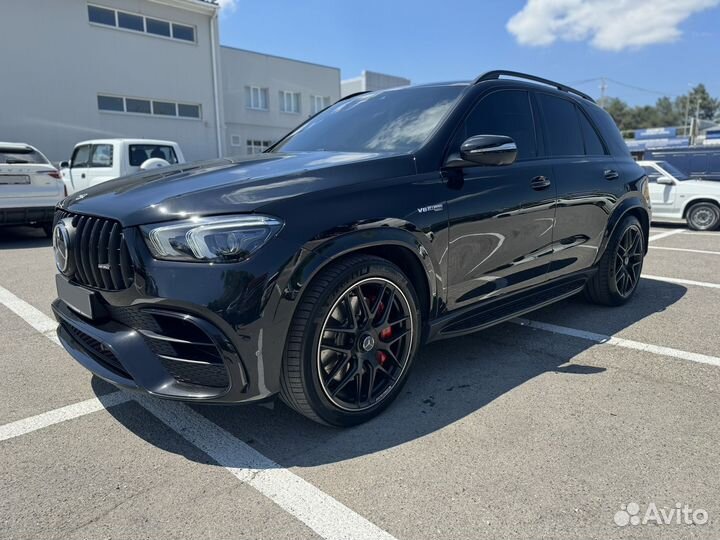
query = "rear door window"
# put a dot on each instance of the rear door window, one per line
(81, 156)
(139, 153)
(593, 144)
(562, 126)
(101, 155)
(506, 112)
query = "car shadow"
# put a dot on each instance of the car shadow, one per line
(23, 238)
(450, 380)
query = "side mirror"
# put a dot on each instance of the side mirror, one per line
(64, 164)
(493, 150)
(665, 180)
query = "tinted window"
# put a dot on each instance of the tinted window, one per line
(141, 106)
(677, 173)
(20, 155)
(164, 108)
(389, 121)
(110, 103)
(142, 152)
(593, 144)
(101, 16)
(160, 28)
(189, 111)
(131, 22)
(186, 33)
(505, 113)
(562, 126)
(101, 155)
(81, 156)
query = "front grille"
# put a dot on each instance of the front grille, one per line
(97, 350)
(181, 342)
(99, 252)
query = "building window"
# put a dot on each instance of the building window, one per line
(235, 140)
(290, 102)
(256, 147)
(188, 111)
(148, 106)
(139, 106)
(318, 103)
(131, 22)
(256, 98)
(159, 28)
(111, 103)
(140, 23)
(180, 31)
(101, 15)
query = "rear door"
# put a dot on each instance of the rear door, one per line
(587, 179)
(501, 218)
(79, 164)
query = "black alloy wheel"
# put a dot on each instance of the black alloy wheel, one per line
(364, 344)
(628, 261)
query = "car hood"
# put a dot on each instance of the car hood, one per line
(232, 185)
(701, 186)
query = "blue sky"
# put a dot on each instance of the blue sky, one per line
(662, 45)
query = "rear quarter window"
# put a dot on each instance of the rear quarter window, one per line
(139, 153)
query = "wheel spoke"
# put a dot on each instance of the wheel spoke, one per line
(378, 302)
(371, 382)
(335, 348)
(344, 382)
(340, 363)
(388, 309)
(397, 338)
(363, 304)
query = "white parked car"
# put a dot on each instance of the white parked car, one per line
(677, 198)
(30, 187)
(100, 160)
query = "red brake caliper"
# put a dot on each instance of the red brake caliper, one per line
(385, 335)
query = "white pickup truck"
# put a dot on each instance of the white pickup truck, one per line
(30, 186)
(100, 160)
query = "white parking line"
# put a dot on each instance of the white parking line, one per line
(683, 281)
(620, 342)
(702, 233)
(687, 250)
(665, 234)
(76, 410)
(316, 509)
(30, 314)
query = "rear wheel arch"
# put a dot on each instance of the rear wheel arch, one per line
(689, 204)
(628, 207)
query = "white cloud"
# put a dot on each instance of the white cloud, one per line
(608, 24)
(228, 5)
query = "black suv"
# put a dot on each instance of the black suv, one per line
(316, 269)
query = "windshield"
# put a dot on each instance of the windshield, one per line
(17, 156)
(677, 173)
(390, 121)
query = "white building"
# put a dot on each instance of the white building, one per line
(266, 96)
(370, 81)
(76, 70)
(83, 69)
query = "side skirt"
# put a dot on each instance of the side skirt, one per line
(496, 311)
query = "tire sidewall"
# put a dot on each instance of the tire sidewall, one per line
(713, 208)
(323, 407)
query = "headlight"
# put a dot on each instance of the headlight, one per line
(210, 239)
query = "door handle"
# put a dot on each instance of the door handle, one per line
(539, 182)
(82, 175)
(611, 175)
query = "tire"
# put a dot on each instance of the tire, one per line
(608, 288)
(703, 216)
(47, 229)
(331, 314)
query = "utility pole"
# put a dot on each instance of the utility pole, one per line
(603, 89)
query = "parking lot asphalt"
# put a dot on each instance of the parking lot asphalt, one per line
(544, 427)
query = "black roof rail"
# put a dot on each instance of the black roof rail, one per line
(496, 74)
